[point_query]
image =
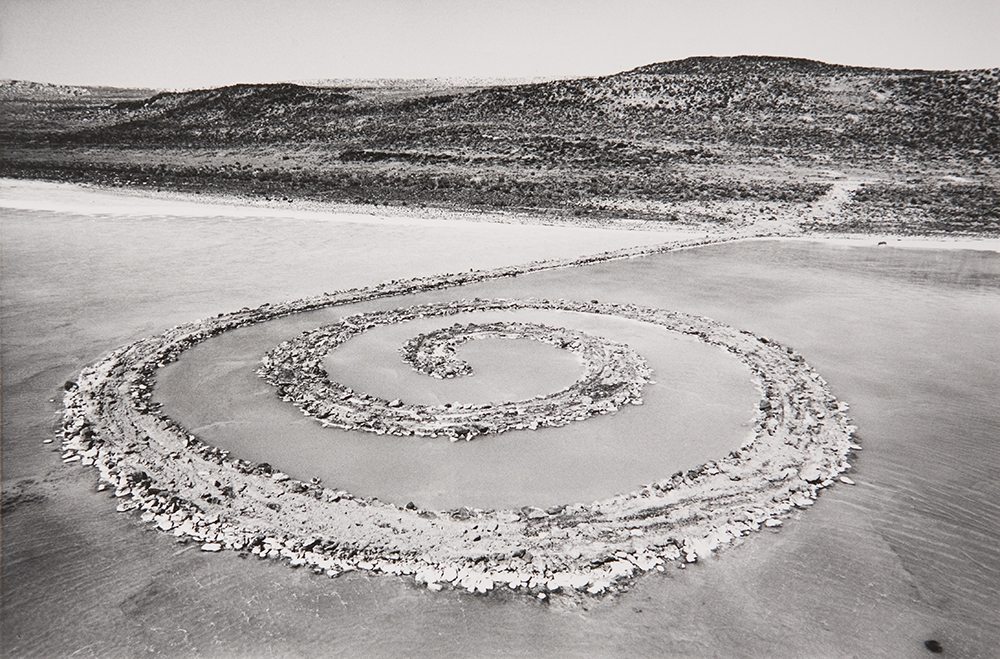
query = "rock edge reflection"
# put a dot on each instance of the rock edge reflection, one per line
(802, 441)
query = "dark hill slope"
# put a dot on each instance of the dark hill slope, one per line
(769, 102)
(697, 130)
(777, 102)
(743, 101)
(238, 112)
(749, 64)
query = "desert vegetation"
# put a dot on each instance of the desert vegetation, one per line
(722, 134)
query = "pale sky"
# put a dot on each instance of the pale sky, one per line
(204, 43)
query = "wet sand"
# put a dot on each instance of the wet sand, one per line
(846, 592)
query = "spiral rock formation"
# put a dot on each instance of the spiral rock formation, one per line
(802, 441)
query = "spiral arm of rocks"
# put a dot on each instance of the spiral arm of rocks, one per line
(435, 353)
(614, 375)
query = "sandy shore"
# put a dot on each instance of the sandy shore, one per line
(95, 200)
(903, 242)
(89, 199)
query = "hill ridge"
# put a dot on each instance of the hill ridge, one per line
(735, 63)
(663, 141)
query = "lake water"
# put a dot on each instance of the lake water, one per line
(909, 338)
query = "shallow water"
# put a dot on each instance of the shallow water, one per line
(698, 407)
(910, 553)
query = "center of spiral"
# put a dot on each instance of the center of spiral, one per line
(435, 353)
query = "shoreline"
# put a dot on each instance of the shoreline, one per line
(905, 242)
(27, 194)
(31, 194)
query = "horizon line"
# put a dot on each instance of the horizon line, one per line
(491, 81)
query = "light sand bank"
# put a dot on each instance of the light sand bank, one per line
(900, 242)
(92, 200)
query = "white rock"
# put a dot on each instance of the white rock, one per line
(646, 562)
(811, 473)
(620, 568)
(598, 586)
(185, 528)
(703, 547)
(211, 546)
(801, 500)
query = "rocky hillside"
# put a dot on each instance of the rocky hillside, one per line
(654, 142)
(745, 101)
(15, 89)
